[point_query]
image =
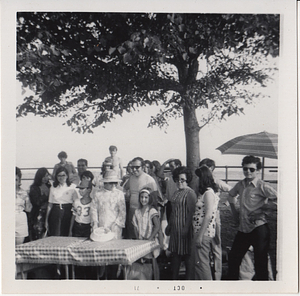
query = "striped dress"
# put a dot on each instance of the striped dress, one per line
(179, 201)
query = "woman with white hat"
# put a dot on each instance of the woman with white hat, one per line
(108, 206)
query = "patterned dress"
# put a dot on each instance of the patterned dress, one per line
(39, 203)
(108, 207)
(200, 214)
(179, 202)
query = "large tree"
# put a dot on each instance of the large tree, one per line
(94, 66)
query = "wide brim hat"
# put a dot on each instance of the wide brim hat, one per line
(101, 234)
(110, 177)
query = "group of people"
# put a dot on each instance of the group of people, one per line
(152, 202)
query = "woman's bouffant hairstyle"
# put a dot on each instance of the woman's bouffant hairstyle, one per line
(182, 170)
(62, 154)
(59, 170)
(252, 159)
(39, 175)
(206, 179)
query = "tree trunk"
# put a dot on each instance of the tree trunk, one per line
(191, 128)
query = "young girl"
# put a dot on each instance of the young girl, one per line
(147, 225)
(204, 222)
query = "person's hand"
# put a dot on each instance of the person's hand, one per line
(170, 160)
(46, 225)
(216, 239)
(198, 241)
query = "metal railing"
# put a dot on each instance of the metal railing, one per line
(272, 169)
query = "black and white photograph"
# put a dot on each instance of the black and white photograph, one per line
(154, 147)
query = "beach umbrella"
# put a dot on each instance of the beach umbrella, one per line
(262, 144)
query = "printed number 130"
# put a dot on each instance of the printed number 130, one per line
(179, 288)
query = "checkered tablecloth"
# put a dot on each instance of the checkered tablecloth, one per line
(80, 251)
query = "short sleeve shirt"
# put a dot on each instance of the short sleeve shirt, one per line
(63, 194)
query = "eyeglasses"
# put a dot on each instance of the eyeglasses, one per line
(135, 167)
(60, 176)
(181, 180)
(250, 169)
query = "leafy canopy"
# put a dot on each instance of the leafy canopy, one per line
(90, 67)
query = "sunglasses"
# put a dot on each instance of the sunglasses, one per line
(181, 180)
(250, 169)
(135, 167)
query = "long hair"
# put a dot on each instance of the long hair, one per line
(59, 170)
(39, 175)
(157, 165)
(206, 179)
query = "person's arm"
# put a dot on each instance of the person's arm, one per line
(50, 205)
(28, 205)
(270, 205)
(54, 172)
(71, 225)
(160, 172)
(191, 203)
(120, 220)
(223, 186)
(34, 196)
(121, 168)
(209, 206)
(232, 201)
(94, 214)
(73, 170)
(135, 226)
(156, 227)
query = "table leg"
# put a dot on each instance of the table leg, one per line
(125, 272)
(73, 272)
(67, 271)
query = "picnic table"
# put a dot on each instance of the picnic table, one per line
(80, 251)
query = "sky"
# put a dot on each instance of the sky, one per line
(39, 140)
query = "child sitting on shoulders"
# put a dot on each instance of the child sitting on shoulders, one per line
(81, 220)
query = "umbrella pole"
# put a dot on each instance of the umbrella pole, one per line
(263, 167)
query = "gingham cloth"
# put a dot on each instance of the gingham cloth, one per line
(80, 251)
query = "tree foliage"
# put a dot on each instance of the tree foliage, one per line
(93, 66)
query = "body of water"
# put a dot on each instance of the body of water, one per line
(270, 174)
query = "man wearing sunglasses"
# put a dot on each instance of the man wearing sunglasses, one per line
(137, 180)
(256, 199)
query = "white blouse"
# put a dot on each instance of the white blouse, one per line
(63, 194)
